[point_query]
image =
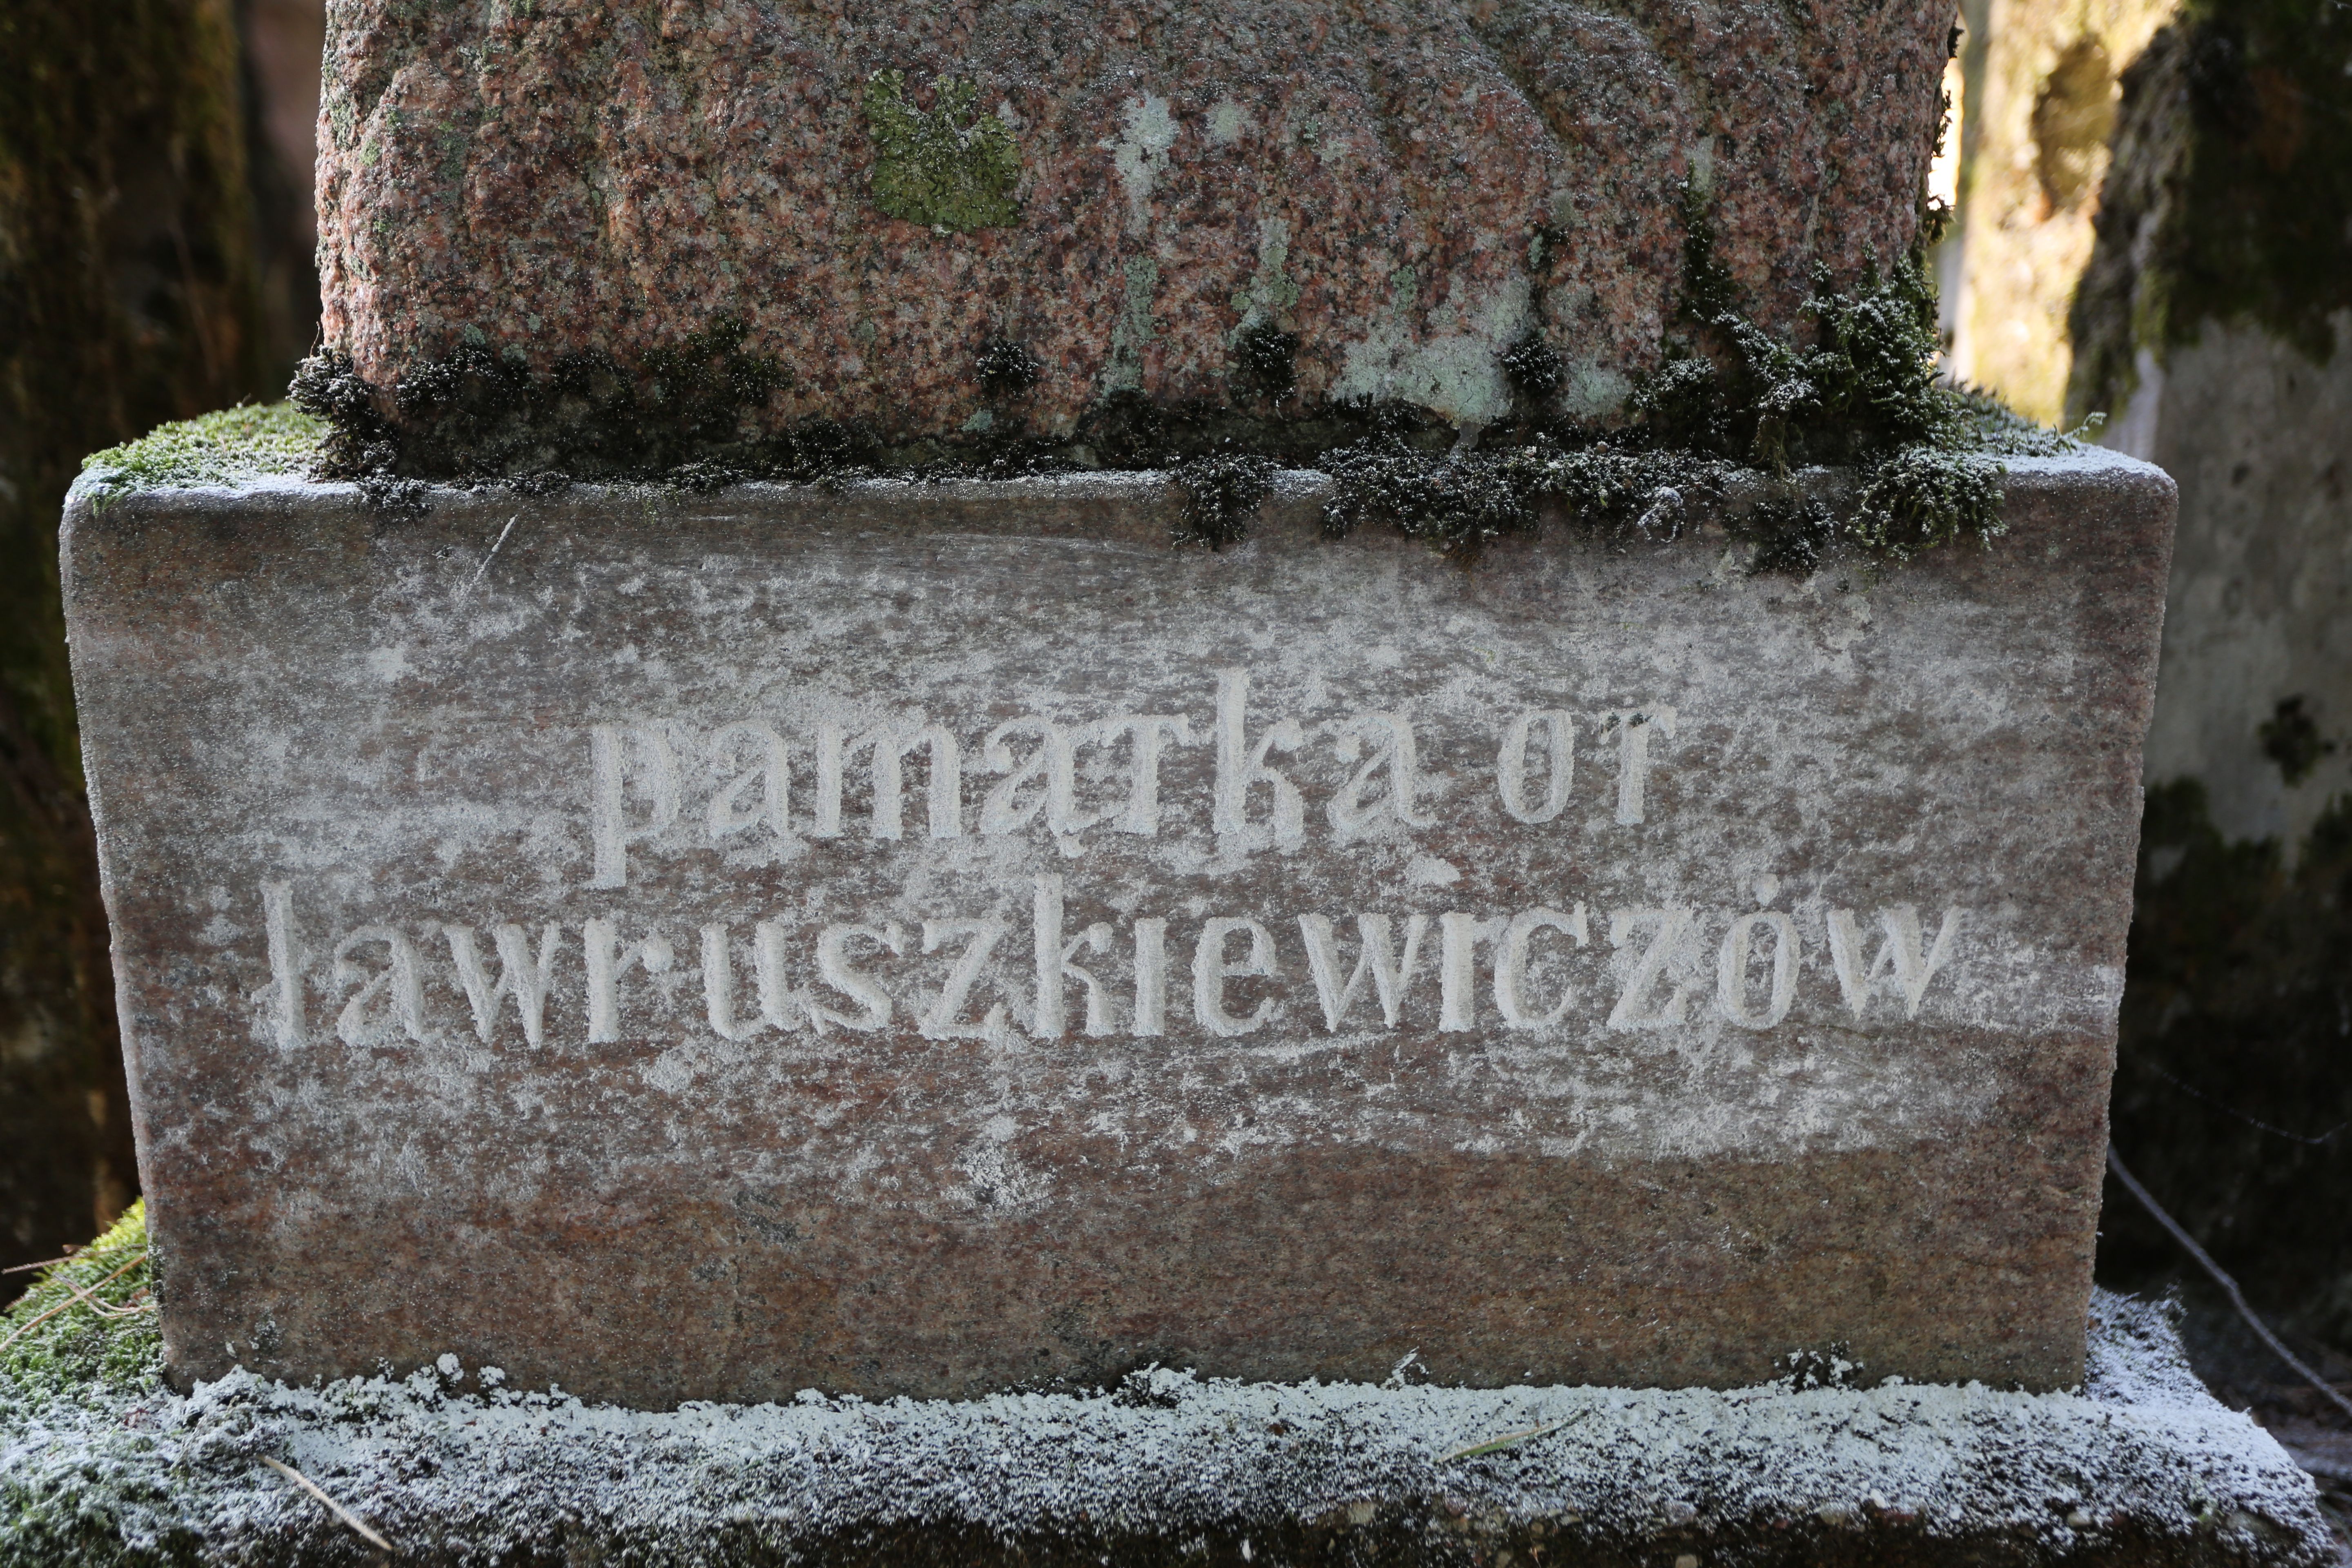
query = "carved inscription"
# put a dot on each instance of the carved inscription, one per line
(857, 784)
(1019, 964)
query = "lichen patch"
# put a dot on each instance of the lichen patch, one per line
(950, 167)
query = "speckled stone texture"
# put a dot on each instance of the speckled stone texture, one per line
(932, 939)
(1410, 187)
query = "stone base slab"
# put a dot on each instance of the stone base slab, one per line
(2140, 1467)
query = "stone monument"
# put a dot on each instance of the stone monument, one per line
(1275, 202)
(1147, 954)
(932, 939)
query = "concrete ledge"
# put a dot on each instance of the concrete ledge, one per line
(2140, 1467)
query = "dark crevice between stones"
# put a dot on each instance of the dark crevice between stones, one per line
(1732, 411)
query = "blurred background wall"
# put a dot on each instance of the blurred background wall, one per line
(2155, 223)
(155, 262)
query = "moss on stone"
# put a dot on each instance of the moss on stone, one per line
(1729, 414)
(953, 167)
(1221, 492)
(58, 1344)
(235, 445)
(1924, 497)
(480, 415)
(1732, 409)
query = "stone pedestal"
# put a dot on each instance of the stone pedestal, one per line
(932, 940)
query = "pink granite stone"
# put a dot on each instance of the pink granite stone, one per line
(1410, 187)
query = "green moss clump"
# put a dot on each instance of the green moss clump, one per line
(952, 168)
(1926, 496)
(485, 415)
(1868, 386)
(1729, 414)
(1458, 507)
(56, 1344)
(1006, 368)
(1266, 361)
(231, 447)
(1460, 503)
(1221, 492)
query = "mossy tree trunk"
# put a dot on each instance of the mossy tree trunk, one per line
(127, 296)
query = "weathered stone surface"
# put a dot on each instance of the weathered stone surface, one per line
(2141, 1468)
(1410, 188)
(495, 988)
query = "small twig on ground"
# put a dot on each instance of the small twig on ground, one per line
(80, 1294)
(1509, 1439)
(340, 1511)
(2237, 1297)
(45, 1263)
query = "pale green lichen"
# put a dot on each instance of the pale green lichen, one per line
(1135, 328)
(233, 447)
(951, 168)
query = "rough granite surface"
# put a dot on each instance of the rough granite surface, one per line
(1126, 191)
(2140, 1467)
(905, 939)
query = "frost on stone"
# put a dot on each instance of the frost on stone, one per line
(234, 447)
(2141, 1466)
(953, 167)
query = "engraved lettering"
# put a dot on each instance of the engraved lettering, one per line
(519, 977)
(1633, 730)
(400, 979)
(1731, 969)
(829, 761)
(284, 963)
(608, 817)
(1511, 766)
(1151, 977)
(1457, 983)
(1899, 953)
(780, 1007)
(1053, 762)
(1054, 970)
(833, 968)
(946, 791)
(1672, 924)
(719, 988)
(729, 812)
(607, 961)
(941, 1023)
(1148, 736)
(1375, 960)
(1211, 969)
(1240, 767)
(1511, 966)
(1393, 749)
